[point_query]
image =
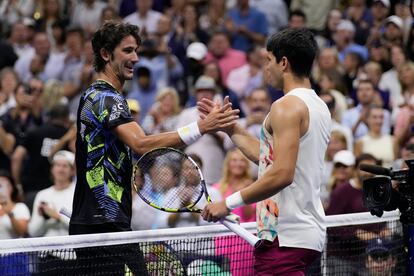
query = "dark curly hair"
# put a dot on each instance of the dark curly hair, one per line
(109, 35)
(298, 46)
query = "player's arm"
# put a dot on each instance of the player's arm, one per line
(285, 121)
(133, 135)
(247, 143)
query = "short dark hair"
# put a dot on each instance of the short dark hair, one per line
(109, 35)
(297, 12)
(298, 45)
(76, 30)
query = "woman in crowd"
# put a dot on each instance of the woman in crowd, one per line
(163, 114)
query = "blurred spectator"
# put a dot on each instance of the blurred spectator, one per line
(87, 15)
(210, 146)
(380, 259)
(144, 17)
(212, 70)
(46, 220)
(332, 82)
(8, 84)
(330, 101)
(162, 116)
(327, 60)
(338, 142)
(344, 41)
(12, 11)
(379, 10)
(352, 66)
(360, 15)
(31, 166)
(348, 198)
(390, 81)
(316, 11)
(343, 170)
(194, 67)
(236, 176)
(14, 215)
(144, 89)
(247, 26)
(219, 50)
(52, 95)
(276, 12)
(109, 13)
(26, 114)
(384, 147)
(19, 39)
(402, 10)
(356, 117)
(41, 63)
(58, 37)
(7, 144)
(214, 18)
(372, 70)
(8, 56)
(297, 19)
(406, 153)
(245, 79)
(188, 30)
(51, 13)
(325, 39)
(393, 31)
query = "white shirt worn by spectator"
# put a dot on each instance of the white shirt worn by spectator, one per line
(149, 22)
(20, 211)
(89, 18)
(53, 68)
(57, 199)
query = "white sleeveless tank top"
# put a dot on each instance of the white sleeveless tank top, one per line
(295, 215)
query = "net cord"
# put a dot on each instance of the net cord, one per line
(215, 230)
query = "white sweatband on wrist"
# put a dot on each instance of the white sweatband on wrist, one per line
(189, 133)
(234, 201)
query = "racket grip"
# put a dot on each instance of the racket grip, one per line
(65, 212)
(240, 231)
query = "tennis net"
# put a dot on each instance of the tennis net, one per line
(203, 250)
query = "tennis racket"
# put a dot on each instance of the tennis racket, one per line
(169, 180)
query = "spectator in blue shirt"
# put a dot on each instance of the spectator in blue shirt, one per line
(247, 25)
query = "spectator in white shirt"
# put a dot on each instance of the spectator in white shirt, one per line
(145, 18)
(46, 220)
(14, 215)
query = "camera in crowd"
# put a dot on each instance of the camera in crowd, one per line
(381, 195)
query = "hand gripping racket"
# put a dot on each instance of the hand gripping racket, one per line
(169, 180)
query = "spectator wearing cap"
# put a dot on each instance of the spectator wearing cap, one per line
(344, 41)
(380, 258)
(360, 15)
(208, 147)
(194, 66)
(220, 51)
(343, 170)
(379, 10)
(46, 220)
(30, 160)
(393, 31)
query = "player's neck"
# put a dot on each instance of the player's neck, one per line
(291, 82)
(111, 78)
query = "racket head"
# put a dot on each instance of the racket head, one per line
(169, 180)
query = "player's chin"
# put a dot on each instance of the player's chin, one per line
(128, 73)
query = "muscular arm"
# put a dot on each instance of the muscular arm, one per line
(285, 121)
(247, 143)
(133, 135)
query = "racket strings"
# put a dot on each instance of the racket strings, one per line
(167, 179)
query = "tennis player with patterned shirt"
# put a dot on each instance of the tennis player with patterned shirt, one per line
(290, 154)
(106, 134)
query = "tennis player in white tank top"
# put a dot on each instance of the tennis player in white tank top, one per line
(290, 154)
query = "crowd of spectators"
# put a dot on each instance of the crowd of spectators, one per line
(192, 49)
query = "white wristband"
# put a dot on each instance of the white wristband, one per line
(189, 133)
(234, 201)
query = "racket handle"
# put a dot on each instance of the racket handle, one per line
(65, 212)
(240, 231)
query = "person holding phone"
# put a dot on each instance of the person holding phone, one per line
(14, 215)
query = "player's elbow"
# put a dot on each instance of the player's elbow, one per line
(284, 178)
